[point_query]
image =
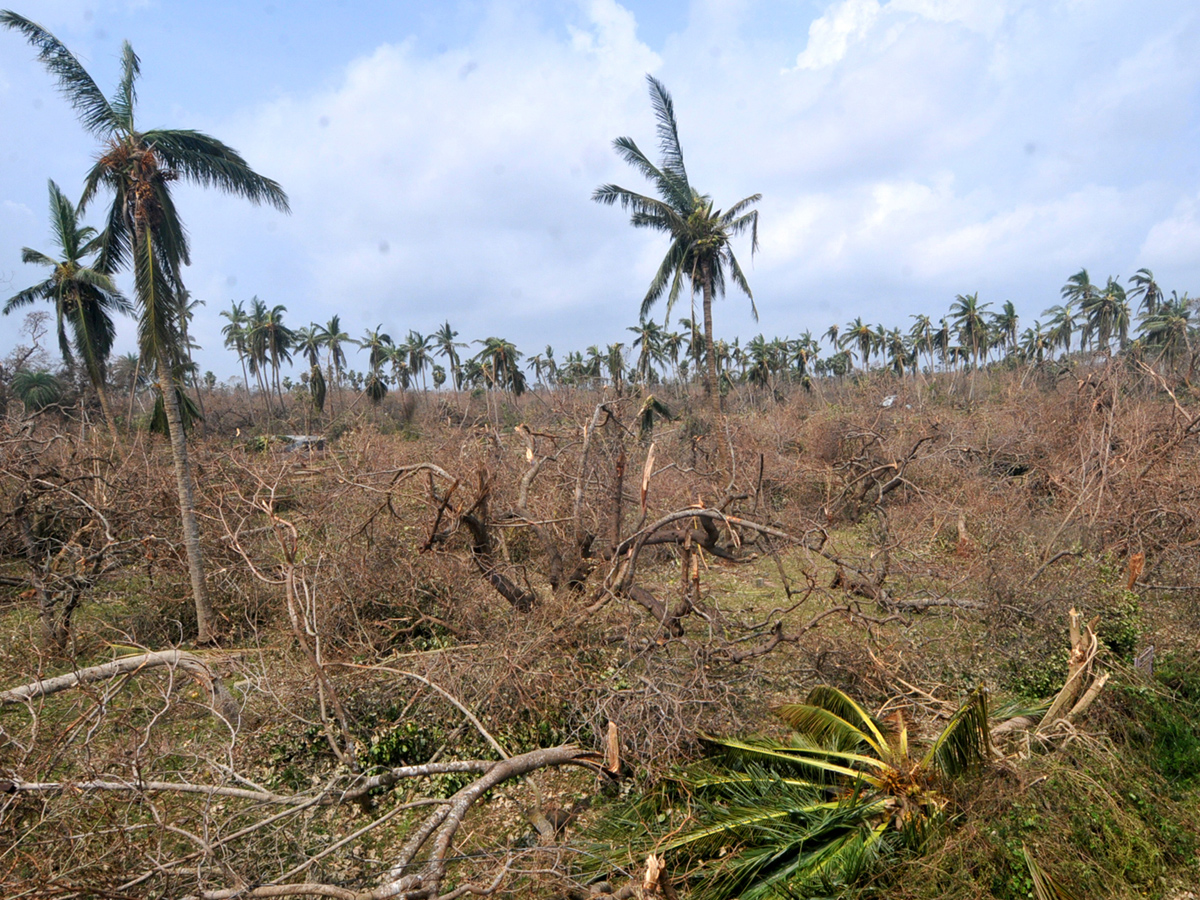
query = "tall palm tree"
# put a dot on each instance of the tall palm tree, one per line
(1168, 330)
(968, 315)
(650, 339)
(1107, 315)
(700, 248)
(1064, 322)
(235, 333)
(256, 348)
(418, 346)
(333, 337)
(309, 342)
(377, 346)
(1004, 324)
(143, 230)
(1079, 291)
(500, 358)
(1146, 291)
(276, 340)
(83, 296)
(858, 333)
(443, 339)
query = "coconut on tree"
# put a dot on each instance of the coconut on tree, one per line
(143, 231)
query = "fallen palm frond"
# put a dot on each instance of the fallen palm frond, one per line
(765, 819)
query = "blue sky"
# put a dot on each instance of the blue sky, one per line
(440, 157)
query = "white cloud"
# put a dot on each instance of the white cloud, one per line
(1175, 240)
(831, 35)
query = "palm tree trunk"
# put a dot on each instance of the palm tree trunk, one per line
(187, 502)
(137, 370)
(711, 387)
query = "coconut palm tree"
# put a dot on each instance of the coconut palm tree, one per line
(1146, 291)
(377, 346)
(143, 231)
(1106, 313)
(1064, 322)
(968, 315)
(443, 339)
(333, 337)
(274, 340)
(763, 819)
(499, 359)
(309, 342)
(1168, 331)
(700, 250)
(185, 311)
(858, 333)
(84, 298)
(235, 333)
(649, 338)
(1004, 326)
(418, 346)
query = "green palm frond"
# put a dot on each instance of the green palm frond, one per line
(37, 390)
(832, 764)
(189, 412)
(965, 743)
(206, 161)
(830, 713)
(126, 96)
(73, 80)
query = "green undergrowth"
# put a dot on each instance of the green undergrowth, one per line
(1112, 813)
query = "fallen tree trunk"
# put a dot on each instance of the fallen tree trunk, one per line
(222, 701)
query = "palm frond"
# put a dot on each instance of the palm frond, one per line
(813, 763)
(668, 130)
(42, 291)
(36, 257)
(739, 278)
(965, 743)
(73, 80)
(126, 96)
(671, 265)
(1045, 887)
(206, 161)
(158, 334)
(806, 717)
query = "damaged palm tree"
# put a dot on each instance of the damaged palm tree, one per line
(764, 819)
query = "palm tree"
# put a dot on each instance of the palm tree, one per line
(186, 311)
(700, 247)
(1168, 330)
(443, 339)
(418, 346)
(256, 348)
(1146, 291)
(1107, 315)
(499, 359)
(310, 341)
(967, 313)
(1080, 291)
(1063, 324)
(83, 297)
(650, 339)
(275, 340)
(37, 390)
(1004, 324)
(377, 346)
(333, 337)
(861, 334)
(143, 230)
(235, 336)
(763, 819)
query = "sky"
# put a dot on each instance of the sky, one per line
(440, 156)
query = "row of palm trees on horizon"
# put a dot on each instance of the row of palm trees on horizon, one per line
(1090, 319)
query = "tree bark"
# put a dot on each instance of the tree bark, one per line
(711, 386)
(187, 502)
